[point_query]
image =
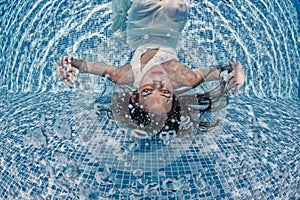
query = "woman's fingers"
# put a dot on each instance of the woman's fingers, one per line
(62, 61)
(230, 85)
(236, 78)
(234, 83)
(72, 77)
(235, 65)
(68, 79)
(237, 88)
(62, 74)
(67, 83)
(67, 60)
(75, 71)
(230, 77)
(65, 71)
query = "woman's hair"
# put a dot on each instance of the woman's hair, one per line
(199, 101)
(211, 101)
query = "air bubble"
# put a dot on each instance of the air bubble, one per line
(139, 134)
(167, 136)
(112, 191)
(142, 181)
(151, 187)
(172, 185)
(127, 164)
(120, 152)
(137, 172)
(103, 178)
(133, 146)
(172, 134)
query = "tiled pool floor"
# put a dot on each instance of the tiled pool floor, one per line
(53, 149)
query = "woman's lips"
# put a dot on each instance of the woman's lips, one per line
(157, 72)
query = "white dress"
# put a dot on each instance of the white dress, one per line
(150, 24)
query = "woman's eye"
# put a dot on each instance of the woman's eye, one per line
(146, 92)
(166, 93)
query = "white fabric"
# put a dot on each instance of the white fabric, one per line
(156, 22)
(162, 55)
(150, 24)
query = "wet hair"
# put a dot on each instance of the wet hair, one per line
(212, 101)
(207, 101)
(142, 118)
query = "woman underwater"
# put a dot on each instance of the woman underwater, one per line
(153, 28)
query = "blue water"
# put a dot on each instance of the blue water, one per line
(56, 144)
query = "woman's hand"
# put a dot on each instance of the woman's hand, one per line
(66, 70)
(236, 78)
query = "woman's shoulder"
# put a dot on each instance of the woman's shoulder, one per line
(179, 73)
(175, 66)
(123, 74)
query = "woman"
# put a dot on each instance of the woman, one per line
(153, 28)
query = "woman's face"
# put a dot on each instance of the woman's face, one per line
(156, 92)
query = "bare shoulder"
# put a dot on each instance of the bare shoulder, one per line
(180, 74)
(122, 74)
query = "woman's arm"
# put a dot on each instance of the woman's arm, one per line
(205, 75)
(90, 67)
(68, 68)
(235, 80)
